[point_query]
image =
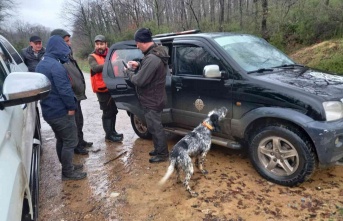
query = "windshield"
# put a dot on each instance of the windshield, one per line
(252, 53)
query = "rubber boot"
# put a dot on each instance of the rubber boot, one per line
(110, 136)
(114, 128)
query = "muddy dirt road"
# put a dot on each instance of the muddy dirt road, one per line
(126, 188)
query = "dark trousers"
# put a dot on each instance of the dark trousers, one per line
(107, 105)
(79, 122)
(66, 135)
(153, 121)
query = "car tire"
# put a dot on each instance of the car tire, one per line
(140, 127)
(281, 155)
(34, 186)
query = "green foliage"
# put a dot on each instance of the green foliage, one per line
(84, 65)
(327, 55)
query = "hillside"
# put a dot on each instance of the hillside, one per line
(327, 55)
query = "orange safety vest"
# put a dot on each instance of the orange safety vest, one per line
(98, 84)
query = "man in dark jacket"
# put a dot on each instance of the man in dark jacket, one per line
(33, 53)
(78, 85)
(150, 81)
(59, 107)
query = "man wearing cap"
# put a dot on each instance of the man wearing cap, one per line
(79, 87)
(150, 83)
(109, 108)
(33, 53)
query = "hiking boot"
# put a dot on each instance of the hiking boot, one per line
(158, 159)
(78, 167)
(74, 175)
(86, 144)
(80, 151)
(153, 153)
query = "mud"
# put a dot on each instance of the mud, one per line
(125, 187)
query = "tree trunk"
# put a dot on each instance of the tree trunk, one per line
(221, 14)
(212, 11)
(265, 33)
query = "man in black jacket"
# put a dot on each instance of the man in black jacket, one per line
(79, 87)
(33, 53)
(150, 81)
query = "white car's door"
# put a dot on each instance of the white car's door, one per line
(18, 124)
(13, 173)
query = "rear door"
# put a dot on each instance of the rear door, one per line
(120, 87)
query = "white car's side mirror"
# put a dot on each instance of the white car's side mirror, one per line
(24, 87)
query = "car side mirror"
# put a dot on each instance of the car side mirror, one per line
(212, 71)
(24, 87)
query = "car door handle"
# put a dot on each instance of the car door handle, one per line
(121, 87)
(178, 86)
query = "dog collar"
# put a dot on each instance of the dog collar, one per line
(207, 125)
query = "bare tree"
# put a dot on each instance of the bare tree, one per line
(264, 29)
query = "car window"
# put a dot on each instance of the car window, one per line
(191, 60)
(123, 55)
(3, 75)
(6, 58)
(11, 50)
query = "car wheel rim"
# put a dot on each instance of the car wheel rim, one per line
(140, 126)
(278, 156)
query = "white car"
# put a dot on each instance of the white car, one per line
(19, 135)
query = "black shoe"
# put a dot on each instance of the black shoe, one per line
(158, 159)
(78, 167)
(86, 144)
(80, 151)
(113, 138)
(74, 175)
(153, 153)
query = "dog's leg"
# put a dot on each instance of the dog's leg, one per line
(201, 160)
(189, 172)
(178, 178)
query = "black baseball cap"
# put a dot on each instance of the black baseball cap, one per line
(35, 38)
(100, 38)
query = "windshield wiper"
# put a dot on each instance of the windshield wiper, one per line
(290, 66)
(261, 70)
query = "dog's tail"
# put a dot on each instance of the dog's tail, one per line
(168, 173)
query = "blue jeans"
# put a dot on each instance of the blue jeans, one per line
(66, 135)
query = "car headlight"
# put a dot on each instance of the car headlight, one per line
(333, 110)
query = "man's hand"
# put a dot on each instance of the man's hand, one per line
(71, 112)
(133, 65)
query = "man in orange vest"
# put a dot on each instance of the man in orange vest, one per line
(96, 61)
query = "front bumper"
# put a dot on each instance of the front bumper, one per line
(328, 140)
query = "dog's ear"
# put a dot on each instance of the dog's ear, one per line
(215, 122)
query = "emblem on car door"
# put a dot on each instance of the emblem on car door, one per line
(199, 104)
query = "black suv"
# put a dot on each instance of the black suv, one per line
(288, 116)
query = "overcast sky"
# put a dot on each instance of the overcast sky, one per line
(43, 12)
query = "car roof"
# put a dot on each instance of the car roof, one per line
(203, 35)
(170, 36)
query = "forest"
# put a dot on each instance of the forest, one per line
(287, 24)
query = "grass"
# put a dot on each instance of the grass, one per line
(327, 55)
(84, 65)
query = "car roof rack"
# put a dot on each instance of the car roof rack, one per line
(193, 31)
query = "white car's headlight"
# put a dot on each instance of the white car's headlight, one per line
(333, 110)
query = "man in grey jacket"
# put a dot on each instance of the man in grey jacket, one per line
(79, 87)
(150, 81)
